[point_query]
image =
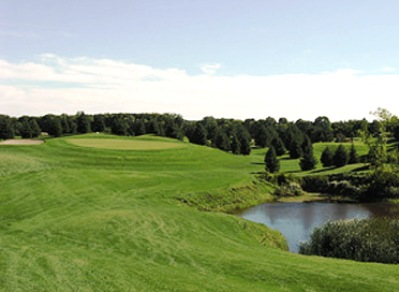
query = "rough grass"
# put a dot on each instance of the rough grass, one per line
(91, 219)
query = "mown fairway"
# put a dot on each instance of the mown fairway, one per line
(86, 218)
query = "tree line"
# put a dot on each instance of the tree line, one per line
(235, 136)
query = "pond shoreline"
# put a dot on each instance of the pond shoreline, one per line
(297, 219)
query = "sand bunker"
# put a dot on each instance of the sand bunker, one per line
(21, 142)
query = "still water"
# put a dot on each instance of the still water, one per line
(297, 220)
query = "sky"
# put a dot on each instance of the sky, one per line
(221, 58)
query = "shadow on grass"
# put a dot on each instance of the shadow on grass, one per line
(287, 158)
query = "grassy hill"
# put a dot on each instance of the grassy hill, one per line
(99, 213)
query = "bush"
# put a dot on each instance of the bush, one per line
(289, 189)
(374, 240)
(383, 184)
(354, 186)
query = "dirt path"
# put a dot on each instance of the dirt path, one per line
(21, 142)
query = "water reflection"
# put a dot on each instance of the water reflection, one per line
(297, 220)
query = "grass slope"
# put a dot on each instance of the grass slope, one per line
(91, 219)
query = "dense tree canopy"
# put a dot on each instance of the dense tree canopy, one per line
(227, 134)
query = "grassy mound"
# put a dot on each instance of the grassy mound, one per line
(93, 219)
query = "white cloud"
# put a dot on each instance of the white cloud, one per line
(57, 85)
(210, 69)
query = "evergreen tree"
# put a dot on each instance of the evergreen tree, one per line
(272, 163)
(327, 157)
(261, 137)
(278, 144)
(244, 139)
(353, 158)
(295, 149)
(308, 160)
(340, 156)
(290, 133)
(245, 145)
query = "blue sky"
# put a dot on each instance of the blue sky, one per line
(237, 59)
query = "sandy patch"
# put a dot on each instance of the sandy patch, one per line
(21, 142)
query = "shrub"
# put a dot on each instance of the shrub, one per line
(374, 240)
(289, 189)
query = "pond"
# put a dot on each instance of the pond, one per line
(297, 220)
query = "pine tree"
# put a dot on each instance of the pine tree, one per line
(295, 149)
(261, 137)
(245, 145)
(272, 163)
(353, 155)
(278, 144)
(244, 138)
(327, 157)
(308, 160)
(340, 156)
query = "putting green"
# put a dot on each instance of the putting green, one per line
(125, 144)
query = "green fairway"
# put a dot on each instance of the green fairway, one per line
(101, 213)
